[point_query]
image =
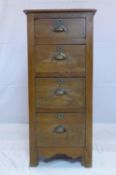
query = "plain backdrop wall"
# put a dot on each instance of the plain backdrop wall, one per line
(13, 57)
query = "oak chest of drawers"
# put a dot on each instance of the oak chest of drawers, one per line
(60, 83)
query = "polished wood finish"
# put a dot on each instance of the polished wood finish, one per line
(74, 28)
(32, 133)
(87, 159)
(60, 83)
(48, 152)
(61, 11)
(69, 94)
(72, 123)
(47, 64)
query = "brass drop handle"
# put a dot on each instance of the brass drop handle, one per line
(60, 91)
(60, 28)
(60, 56)
(59, 129)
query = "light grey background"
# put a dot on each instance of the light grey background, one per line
(13, 57)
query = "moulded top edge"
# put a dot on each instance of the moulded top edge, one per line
(28, 11)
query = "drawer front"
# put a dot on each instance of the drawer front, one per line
(62, 60)
(60, 94)
(59, 30)
(62, 130)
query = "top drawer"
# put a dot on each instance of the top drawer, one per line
(60, 31)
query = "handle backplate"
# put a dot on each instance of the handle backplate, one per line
(59, 26)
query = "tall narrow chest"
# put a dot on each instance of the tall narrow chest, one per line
(60, 83)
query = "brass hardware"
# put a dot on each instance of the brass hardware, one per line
(59, 129)
(60, 91)
(60, 28)
(59, 56)
(60, 116)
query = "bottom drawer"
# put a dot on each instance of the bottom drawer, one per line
(62, 130)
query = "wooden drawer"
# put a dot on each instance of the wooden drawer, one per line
(60, 94)
(60, 130)
(59, 30)
(67, 60)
